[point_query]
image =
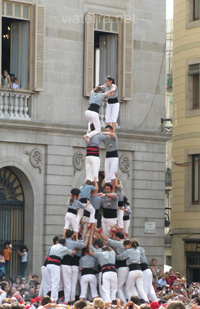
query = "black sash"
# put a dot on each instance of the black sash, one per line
(73, 211)
(113, 100)
(88, 271)
(134, 267)
(112, 154)
(109, 213)
(94, 107)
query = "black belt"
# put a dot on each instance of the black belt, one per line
(54, 260)
(112, 154)
(73, 211)
(121, 264)
(67, 260)
(94, 108)
(83, 200)
(86, 213)
(109, 213)
(75, 260)
(134, 267)
(126, 218)
(92, 151)
(113, 100)
(88, 271)
(108, 267)
(144, 266)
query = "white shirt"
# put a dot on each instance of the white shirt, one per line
(24, 257)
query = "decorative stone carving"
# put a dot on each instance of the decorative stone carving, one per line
(35, 158)
(124, 164)
(78, 161)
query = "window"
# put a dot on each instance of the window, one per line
(194, 72)
(196, 9)
(22, 54)
(195, 179)
(108, 51)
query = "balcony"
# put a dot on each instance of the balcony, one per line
(15, 104)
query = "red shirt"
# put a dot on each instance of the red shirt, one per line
(171, 279)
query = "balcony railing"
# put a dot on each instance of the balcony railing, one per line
(14, 104)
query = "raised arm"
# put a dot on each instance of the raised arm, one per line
(112, 135)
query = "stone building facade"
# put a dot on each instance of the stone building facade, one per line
(186, 139)
(42, 125)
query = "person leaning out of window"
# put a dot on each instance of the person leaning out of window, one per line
(5, 80)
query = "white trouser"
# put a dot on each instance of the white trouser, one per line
(54, 279)
(112, 112)
(92, 165)
(126, 226)
(94, 118)
(109, 285)
(107, 223)
(88, 280)
(44, 285)
(111, 167)
(122, 278)
(71, 219)
(135, 279)
(67, 277)
(148, 286)
(120, 215)
(89, 208)
(75, 273)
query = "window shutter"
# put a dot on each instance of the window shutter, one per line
(39, 48)
(127, 60)
(89, 54)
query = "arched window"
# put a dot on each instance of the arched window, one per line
(11, 216)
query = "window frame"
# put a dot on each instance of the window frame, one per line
(195, 202)
(194, 11)
(125, 55)
(194, 90)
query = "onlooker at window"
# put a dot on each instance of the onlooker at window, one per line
(6, 81)
(24, 260)
(15, 84)
(12, 78)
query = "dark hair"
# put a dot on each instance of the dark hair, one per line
(80, 304)
(45, 300)
(34, 276)
(62, 241)
(97, 89)
(109, 127)
(24, 247)
(5, 70)
(69, 233)
(15, 78)
(127, 242)
(162, 301)
(120, 235)
(135, 299)
(79, 235)
(109, 185)
(105, 248)
(110, 79)
(18, 278)
(88, 182)
(6, 243)
(99, 243)
(12, 75)
(92, 128)
(135, 241)
(74, 192)
(56, 238)
(3, 285)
